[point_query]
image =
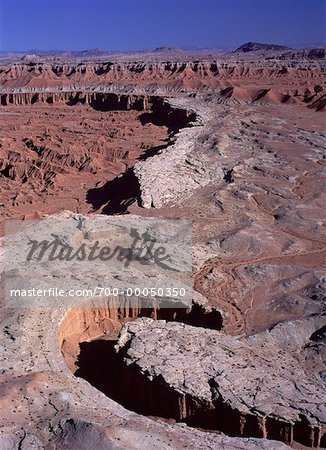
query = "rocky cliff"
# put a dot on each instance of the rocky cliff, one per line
(171, 74)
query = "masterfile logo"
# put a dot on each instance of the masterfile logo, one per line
(70, 261)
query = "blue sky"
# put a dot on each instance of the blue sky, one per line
(144, 24)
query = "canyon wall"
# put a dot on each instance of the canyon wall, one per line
(56, 74)
(289, 82)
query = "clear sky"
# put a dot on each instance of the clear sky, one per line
(144, 24)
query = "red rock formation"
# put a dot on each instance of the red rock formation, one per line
(65, 161)
(289, 80)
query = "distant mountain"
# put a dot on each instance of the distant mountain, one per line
(311, 53)
(88, 53)
(256, 46)
(168, 50)
(36, 51)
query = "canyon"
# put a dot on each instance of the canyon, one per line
(58, 161)
(236, 145)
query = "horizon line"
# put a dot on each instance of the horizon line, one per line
(182, 48)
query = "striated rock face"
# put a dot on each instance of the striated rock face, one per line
(98, 101)
(160, 109)
(292, 81)
(24, 75)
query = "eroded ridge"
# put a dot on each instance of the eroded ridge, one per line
(81, 325)
(263, 270)
(49, 161)
(213, 381)
(262, 81)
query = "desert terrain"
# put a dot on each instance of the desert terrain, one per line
(235, 143)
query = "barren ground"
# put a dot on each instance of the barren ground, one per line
(237, 146)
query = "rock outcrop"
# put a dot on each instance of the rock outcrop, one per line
(256, 46)
(258, 386)
(44, 405)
